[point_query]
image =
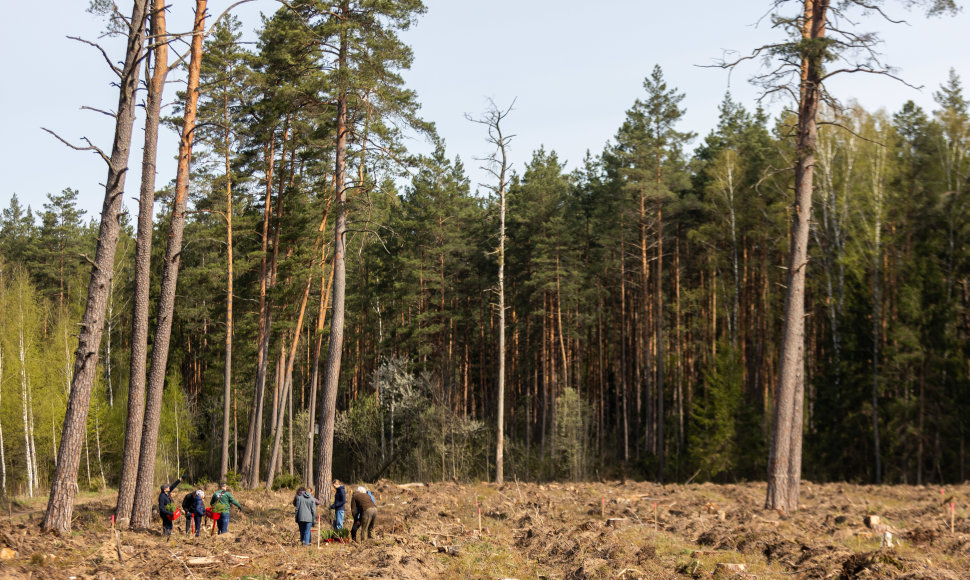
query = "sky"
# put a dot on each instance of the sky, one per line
(572, 68)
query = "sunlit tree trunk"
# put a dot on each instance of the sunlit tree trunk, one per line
(328, 407)
(784, 461)
(251, 455)
(142, 273)
(227, 375)
(60, 505)
(145, 486)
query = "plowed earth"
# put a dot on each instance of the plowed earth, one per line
(519, 530)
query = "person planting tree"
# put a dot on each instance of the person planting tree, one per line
(187, 502)
(166, 505)
(306, 513)
(195, 510)
(339, 504)
(222, 502)
(364, 508)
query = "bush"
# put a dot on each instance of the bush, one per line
(98, 484)
(232, 479)
(287, 480)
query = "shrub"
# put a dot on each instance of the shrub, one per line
(232, 479)
(287, 480)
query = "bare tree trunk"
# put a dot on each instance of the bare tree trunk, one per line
(143, 251)
(286, 396)
(328, 408)
(878, 191)
(25, 400)
(227, 376)
(308, 474)
(500, 411)
(661, 451)
(166, 302)
(784, 461)
(60, 505)
(250, 466)
(3, 457)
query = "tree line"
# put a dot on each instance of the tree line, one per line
(644, 292)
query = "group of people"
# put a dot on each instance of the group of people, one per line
(362, 505)
(363, 508)
(194, 506)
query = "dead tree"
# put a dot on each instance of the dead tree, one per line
(497, 164)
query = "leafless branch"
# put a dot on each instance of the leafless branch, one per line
(108, 113)
(90, 146)
(851, 132)
(107, 59)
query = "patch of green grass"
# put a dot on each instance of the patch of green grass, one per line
(492, 559)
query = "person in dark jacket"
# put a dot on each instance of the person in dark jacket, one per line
(306, 513)
(365, 514)
(195, 511)
(164, 499)
(339, 504)
(187, 502)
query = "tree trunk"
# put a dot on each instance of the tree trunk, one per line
(25, 400)
(328, 408)
(500, 410)
(60, 505)
(250, 466)
(660, 339)
(227, 376)
(166, 303)
(143, 251)
(309, 473)
(286, 397)
(3, 457)
(784, 461)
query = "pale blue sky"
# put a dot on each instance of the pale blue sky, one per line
(574, 68)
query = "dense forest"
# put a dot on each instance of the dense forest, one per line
(643, 292)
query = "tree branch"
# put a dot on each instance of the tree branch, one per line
(107, 59)
(90, 146)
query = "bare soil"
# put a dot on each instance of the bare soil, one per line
(520, 530)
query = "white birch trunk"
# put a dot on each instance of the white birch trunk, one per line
(25, 401)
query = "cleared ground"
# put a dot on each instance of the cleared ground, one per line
(561, 530)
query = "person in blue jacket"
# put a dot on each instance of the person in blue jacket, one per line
(164, 499)
(339, 504)
(195, 511)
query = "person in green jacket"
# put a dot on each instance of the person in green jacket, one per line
(225, 497)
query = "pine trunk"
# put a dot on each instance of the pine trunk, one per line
(251, 455)
(227, 376)
(143, 251)
(784, 461)
(60, 505)
(141, 511)
(328, 408)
